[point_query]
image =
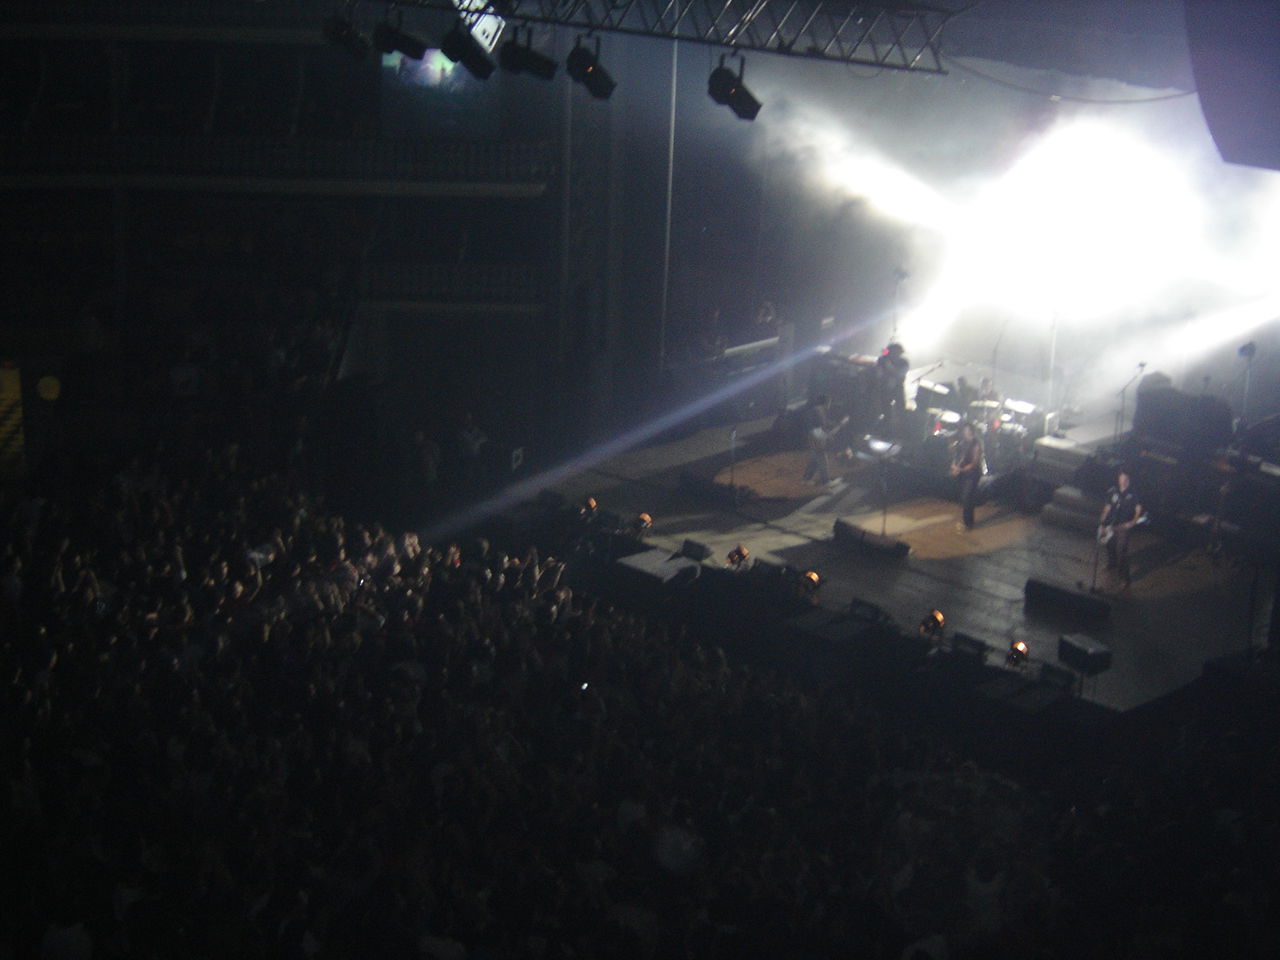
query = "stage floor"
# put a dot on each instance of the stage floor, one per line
(1185, 606)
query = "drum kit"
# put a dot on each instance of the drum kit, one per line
(1007, 428)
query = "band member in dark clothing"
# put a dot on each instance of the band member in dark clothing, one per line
(1120, 514)
(968, 464)
(965, 393)
(819, 431)
(891, 379)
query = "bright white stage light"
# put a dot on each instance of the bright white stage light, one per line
(853, 169)
(1204, 334)
(1095, 223)
(1245, 261)
(1090, 222)
(888, 188)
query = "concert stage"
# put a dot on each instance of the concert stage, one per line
(1186, 606)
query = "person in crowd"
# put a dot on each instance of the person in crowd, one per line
(239, 723)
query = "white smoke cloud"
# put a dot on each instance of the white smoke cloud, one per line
(1115, 230)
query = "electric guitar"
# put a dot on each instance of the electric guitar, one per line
(819, 438)
(1108, 530)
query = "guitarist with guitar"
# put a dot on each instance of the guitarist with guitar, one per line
(1120, 514)
(968, 466)
(820, 432)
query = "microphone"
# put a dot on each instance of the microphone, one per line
(1142, 364)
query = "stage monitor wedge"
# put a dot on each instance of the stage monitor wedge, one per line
(849, 534)
(1050, 599)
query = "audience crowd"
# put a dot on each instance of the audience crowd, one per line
(238, 724)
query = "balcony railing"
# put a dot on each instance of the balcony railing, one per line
(462, 161)
(508, 283)
(276, 13)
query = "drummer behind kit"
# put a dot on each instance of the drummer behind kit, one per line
(1007, 428)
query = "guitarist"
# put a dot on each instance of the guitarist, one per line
(820, 431)
(1120, 514)
(968, 465)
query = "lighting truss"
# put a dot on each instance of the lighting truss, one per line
(896, 36)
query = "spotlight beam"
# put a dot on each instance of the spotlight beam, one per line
(1194, 339)
(530, 487)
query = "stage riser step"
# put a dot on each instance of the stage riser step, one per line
(1068, 519)
(1075, 499)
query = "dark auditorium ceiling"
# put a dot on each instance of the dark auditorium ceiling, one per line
(1141, 42)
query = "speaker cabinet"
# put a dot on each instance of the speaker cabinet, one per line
(1048, 598)
(695, 550)
(1085, 654)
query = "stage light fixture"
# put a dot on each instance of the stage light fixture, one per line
(1018, 653)
(461, 47)
(584, 68)
(517, 57)
(341, 32)
(727, 89)
(932, 623)
(389, 39)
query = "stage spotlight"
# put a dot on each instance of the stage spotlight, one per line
(932, 624)
(389, 39)
(461, 47)
(728, 90)
(341, 32)
(517, 57)
(1018, 654)
(584, 68)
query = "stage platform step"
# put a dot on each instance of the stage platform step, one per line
(1056, 460)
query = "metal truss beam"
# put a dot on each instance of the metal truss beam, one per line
(896, 36)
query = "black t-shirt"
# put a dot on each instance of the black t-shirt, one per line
(1124, 506)
(969, 454)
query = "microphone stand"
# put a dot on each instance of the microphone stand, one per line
(1244, 408)
(1120, 415)
(733, 463)
(1097, 548)
(929, 371)
(995, 349)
